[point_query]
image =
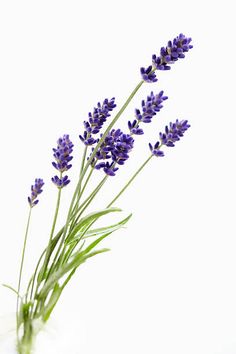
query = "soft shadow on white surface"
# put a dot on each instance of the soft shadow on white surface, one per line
(7, 334)
(56, 337)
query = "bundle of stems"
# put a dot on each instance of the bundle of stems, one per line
(77, 240)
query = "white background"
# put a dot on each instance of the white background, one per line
(169, 284)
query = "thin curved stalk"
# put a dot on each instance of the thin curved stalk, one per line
(48, 252)
(79, 197)
(129, 182)
(21, 271)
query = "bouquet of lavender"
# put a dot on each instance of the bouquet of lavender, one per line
(77, 240)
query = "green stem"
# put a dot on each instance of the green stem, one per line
(83, 159)
(32, 280)
(130, 181)
(77, 207)
(86, 182)
(21, 270)
(49, 247)
(89, 199)
(48, 252)
(81, 170)
(54, 243)
(77, 189)
(93, 194)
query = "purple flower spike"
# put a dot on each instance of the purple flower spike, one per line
(172, 52)
(96, 121)
(150, 107)
(62, 154)
(148, 75)
(172, 133)
(114, 150)
(36, 189)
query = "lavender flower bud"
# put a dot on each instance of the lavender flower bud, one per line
(60, 182)
(150, 107)
(172, 52)
(36, 189)
(156, 149)
(148, 75)
(96, 121)
(62, 154)
(108, 168)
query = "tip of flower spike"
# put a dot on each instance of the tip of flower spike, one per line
(36, 189)
(62, 153)
(172, 52)
(173, 133)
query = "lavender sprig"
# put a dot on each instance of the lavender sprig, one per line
(174, 50)
(36, 189)
(109, 151)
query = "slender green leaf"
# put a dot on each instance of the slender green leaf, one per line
(24, 312)
(52, 301)
(95, 243)
(80, 256)
(12, 289)
(78, 259)
(89, 219)
(101, 230)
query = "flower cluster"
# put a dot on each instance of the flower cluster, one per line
(168, 55)
(114, 150)
(36, 189)
(150, 107)
(96, 121)
(172, 133)
(148, 74)
(62, 154)
(172, 52)
(60, 182)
